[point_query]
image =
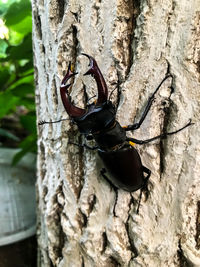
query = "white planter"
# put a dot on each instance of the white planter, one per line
(17, 197)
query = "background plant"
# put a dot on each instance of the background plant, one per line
(17, 105)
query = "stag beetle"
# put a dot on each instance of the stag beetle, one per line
(115, 149)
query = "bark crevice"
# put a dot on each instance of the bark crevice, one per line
(183, 261)
(167, 108)
(197, 235)
(84, 221)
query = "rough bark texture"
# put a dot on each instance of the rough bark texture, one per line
(81, 222)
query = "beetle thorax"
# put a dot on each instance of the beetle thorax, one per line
(96, 118)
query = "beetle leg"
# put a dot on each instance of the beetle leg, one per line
(162, 136)
(144, 187)
(103, 173)
(147, 108)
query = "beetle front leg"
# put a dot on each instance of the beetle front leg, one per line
(137, 125)
(103, 173)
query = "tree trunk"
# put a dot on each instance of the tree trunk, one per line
(81, 219)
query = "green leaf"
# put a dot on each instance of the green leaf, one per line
(3, 47)
(15, 38)
(4, 75)
(28, 103)
(24, 80)
(8, 134)
(23, 90)
(27, 145)
(27, 68)
(29, 123)
(18, 156)
(23, 27)
(4, 6)
(17, 12)
(22, 51)
(28, 142)
(16, 70)
(7, 102)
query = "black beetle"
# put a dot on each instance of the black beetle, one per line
(98, 122)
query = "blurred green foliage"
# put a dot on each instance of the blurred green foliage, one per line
(17, 103)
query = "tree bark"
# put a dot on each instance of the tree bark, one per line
(81, 219)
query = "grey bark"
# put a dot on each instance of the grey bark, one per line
(80, 220)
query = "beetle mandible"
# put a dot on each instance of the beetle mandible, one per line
(98, 120)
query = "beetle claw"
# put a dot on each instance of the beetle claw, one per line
(95, 72)
(68, 75)
(190, 122)
(90, 59)
(92, 64)
(72, 110)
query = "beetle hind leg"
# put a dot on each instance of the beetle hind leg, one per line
(144, 188)
(103, 173)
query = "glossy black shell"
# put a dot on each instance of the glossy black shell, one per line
(124, 168)
(96, 118)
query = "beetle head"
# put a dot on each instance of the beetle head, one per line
(98, 115)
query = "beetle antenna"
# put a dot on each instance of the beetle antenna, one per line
(91, 98)
(45, 122)
(112, 93)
